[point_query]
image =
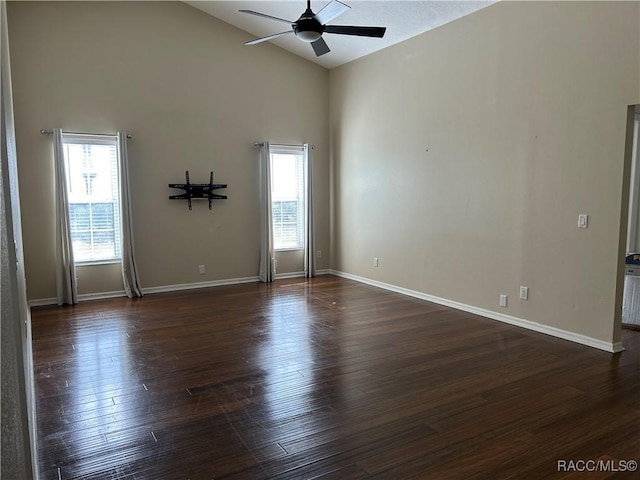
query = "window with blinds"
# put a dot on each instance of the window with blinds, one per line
(287, 197)
(94, 197)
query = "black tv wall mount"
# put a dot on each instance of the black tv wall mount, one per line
(197, 190)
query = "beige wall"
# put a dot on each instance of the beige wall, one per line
(17, 402)
(460, 158)
(463, 157)
(194, 97)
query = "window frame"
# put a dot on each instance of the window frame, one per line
(298, 151)
(107, 140)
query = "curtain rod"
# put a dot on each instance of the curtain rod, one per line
(261, 144)
(50, 132)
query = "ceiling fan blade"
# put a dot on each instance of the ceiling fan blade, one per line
(267, 38)
(360, 31)
(251, 12)
(320, 47)
(330, 11)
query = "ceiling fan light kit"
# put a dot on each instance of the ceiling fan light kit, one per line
(308, 35)
(310, 26)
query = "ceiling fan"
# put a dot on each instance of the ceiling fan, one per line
(310, 26)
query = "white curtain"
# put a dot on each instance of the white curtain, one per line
(309, 233)
(129, 269)
(66, 282)
(267, 271)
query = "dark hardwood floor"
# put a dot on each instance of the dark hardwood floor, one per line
(326, 378)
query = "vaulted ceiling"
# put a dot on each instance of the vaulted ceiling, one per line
(403, 19)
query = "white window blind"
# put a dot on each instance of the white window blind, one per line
(94, 197)
(287, 197)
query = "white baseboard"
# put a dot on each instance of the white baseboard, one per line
(40, 302)
(228, 281)
(192, 286)
(520, 322)
(280, 276)
(101, 296)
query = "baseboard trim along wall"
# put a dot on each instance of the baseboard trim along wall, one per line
(192, 286)
(149, 290)
(171, 288)
(282, 276)
(519, 322)
(41, 302)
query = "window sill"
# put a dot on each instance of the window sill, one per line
(288, 249)
(98, 262)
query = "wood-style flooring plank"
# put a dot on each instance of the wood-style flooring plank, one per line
(320, 379)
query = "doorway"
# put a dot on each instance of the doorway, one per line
(631, 292)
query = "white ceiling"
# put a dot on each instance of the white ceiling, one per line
(403, 19)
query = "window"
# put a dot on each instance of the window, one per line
(287, 197)
(91, 164)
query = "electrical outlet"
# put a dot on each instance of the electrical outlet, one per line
(524, 293)
(503, 300)
(201, 269)
(375, 261)
(319, 254)
(583, 220)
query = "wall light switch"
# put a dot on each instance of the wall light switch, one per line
(201, 269)
(524, 293)
(503, 300)
(583, 220)
(375, 261)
